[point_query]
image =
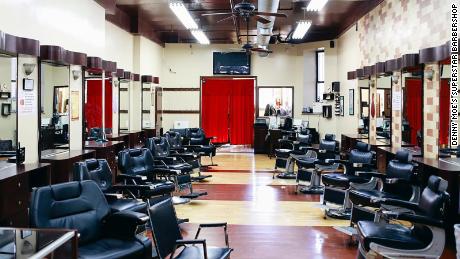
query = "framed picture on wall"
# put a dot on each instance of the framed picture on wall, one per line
(6, 109)
(351, 102)
(342, 105)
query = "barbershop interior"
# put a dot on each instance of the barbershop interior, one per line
(219, 129)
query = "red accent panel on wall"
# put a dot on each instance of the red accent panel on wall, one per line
(444, 112)
(242, 112)
(214, 111)
(414, 107)
(93, 106)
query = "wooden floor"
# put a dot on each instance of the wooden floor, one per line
(266, 218)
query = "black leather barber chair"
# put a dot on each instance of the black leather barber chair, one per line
(399, 182)
(6, 148)
(315, 163)
(82, 206)
(424, 238)
(99, 171)
(168, 237)
(283, 155)
(178, 150)
(159, 147)
(96, 133)
(198, 142)
(337, 185)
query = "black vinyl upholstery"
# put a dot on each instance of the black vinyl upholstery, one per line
(198, 137)
(82, 206)
(430, 210)
(400, 168)
(6, 145)
(98, 170)
(159, 147)
(137, 161)
(166, 232)
(174, 140)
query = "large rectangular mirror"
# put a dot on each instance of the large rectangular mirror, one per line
(275, 102)
(148, 108)
(55, 113)
(412, 108)
(363, 127)
(94, 111)
(123, 96)
(383, 107)
(8, 105)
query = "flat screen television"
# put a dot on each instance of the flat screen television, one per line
(231, 63)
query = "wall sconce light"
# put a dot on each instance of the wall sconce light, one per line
(76, 74)
(29, 68)
(429, 74)
(395, 79)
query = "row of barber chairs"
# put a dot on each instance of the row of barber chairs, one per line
(112, 218)
(374, 203)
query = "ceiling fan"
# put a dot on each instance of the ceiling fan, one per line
(248, 48)
(246, 10)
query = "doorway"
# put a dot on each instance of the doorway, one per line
(227, 109)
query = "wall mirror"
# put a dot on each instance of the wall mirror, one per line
(94, 110)
(383, 107)
(363, 127)
(123, 87)
(412, 108)
(54, 108)
(275, 102)
(444, 110)
(8, 104)
(148, 108)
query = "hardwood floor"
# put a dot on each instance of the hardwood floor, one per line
(266, 218)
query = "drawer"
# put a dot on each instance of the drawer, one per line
(19, 219)
(14, 195)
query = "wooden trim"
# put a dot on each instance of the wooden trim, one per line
(123, 89)
(123, 111)
(146, 111)
(180, 89)
(181, 111)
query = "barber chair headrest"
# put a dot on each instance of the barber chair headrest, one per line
(92, 164)
(437, 184)
(134, 152)
(403, 156)
(363, 147)
(329, 137)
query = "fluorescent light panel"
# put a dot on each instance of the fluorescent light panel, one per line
(183, 14)
(301, 29)
(316, 5)
(200, 36)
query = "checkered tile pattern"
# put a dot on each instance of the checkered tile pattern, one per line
(431, 89)
(396, 133)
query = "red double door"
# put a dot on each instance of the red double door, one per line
(227, 109)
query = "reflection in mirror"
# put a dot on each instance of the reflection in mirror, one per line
(412, 108)
(363, 127)
(54, 100)
(276, 103)
(8, 104)
(94, 109)
(383, 107)
(124, 104)
(444, 111)
(148, 109)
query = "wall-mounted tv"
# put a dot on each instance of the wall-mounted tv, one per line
(231, 63)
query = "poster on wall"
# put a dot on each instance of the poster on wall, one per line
(396, 101)
(75, 105)
(351, 102)
(27, 103)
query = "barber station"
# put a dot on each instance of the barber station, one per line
(239, 129)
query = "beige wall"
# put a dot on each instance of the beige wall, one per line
(119, 46)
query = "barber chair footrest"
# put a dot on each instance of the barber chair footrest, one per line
(351, 231)
(194, 195)
(287, 176)
(200, 178)
(339, 213)
(180, 221)
(180, 200)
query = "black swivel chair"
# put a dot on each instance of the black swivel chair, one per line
(316, 162)
(177, 149)
(99, 171)
(159, 148)
(399, 182)
(82, 206)
(283, 154)
(167, 236)
(425, 238)
(337, 185)
(198, 142)
(6, 148)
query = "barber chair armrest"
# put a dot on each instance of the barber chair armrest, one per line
(166, 171)
(132, 177)
(183, 242)
(309, 148)
(372, 174)
(213, 225)
(397, 181)
(420, 219)
(396, 202)
(178, 149)
(132, 187)
(167, 160)
(123, 224)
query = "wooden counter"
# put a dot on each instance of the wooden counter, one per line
(16, 183)
(385, 153)
(150, 132)
(348, 141)
(136, 138)
(62, 163)
(108, 151)
(119, 137)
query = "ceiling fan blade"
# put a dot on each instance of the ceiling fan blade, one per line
(226, 18)
(211, 14)
(261, 50)
(261, 19)
(282, 15)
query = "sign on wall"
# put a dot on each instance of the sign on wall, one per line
(27, 103)
(75, 105)
(396, 101)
